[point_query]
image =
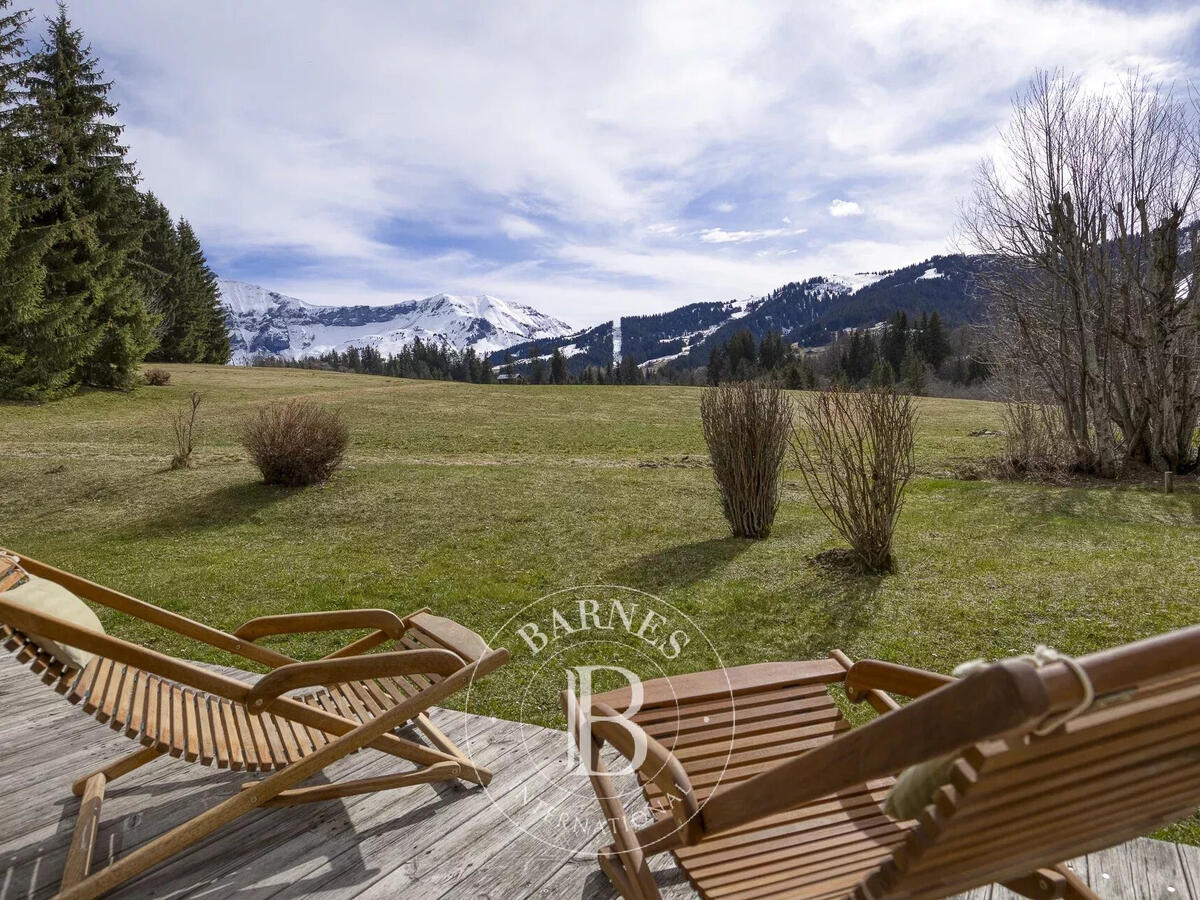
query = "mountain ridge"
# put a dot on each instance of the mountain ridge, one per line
(262, 322)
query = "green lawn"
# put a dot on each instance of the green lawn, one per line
(475, 500)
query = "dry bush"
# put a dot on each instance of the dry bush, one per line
(183, 428)
(746, 425)
(1035, 441)
(855, 451)
(296, 442)
(157, 377)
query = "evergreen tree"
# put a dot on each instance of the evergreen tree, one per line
(537, 372)
(208, 335)
(883, 375)
(510, 371)
(153, 264)
(102, 326)
(558, 367)
(894, 342)
(773, 352)
(912, 372)
(30, 366)
(629, 373)
(743, 354)
(935, 345)
(718, 364)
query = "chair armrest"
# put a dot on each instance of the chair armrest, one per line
(350, 668)
(874, 675)
(660, 765)
(335, 620)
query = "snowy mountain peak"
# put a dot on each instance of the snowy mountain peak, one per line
(266, 323)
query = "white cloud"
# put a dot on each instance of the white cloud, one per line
(387, 149)
(841, 208)
(517, 228)
(721, 236)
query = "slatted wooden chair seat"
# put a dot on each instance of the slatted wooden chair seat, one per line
(200, 727)
(762, 790)
(292, 722)
(726, 730)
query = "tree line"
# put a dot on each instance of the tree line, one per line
(896, 352)
(95, 275)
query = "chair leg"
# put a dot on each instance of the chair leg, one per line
(83, 840)
(1053, 882)
(118, 767)
(481, 775)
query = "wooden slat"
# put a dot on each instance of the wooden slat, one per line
(224, 722)
(212, 730)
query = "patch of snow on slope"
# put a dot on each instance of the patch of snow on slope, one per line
(930, 273)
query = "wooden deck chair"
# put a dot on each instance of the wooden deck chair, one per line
(762, 789)
(293, 722)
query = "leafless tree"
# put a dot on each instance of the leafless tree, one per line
(855, 452)
(746, 426)
(1089, 218)
(183, 428)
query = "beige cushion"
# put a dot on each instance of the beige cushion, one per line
(915, 787)
(52, 599)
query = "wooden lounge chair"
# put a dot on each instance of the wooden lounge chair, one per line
(354, 700)
(762, 789)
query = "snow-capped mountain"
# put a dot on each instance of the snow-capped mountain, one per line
(806, 312)
(267, 323)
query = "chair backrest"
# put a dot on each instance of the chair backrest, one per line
(1129, 764)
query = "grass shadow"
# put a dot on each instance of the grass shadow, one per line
(678, 566)
(230, 505)
(842, 605)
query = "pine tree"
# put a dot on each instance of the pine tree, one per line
(936, 346)
(102, 326)
(208, 334)
(27, 326)
(153, 263)
(912, 372)
(883, 375)
(510, 371)
(558, 367)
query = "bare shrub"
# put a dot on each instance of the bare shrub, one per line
(183, 428)
(157, 377)
(1035, 440)
(746, 426)
(855, 451)
(296, 442)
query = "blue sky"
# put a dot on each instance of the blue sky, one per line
(591, 159)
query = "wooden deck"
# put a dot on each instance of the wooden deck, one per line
(430, 841)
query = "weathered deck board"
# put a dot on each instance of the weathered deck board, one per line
(431, 841)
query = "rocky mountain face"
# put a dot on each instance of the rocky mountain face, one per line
(266, 323)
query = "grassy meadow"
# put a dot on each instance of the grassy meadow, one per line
(475, 500)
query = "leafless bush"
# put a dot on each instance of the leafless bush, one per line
(183, 428)
(157, 377)
(296, 442)
(855, 451)
(1035, 441)
(746, 426)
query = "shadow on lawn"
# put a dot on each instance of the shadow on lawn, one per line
(229, 505)
(678, 566)
(840, 607)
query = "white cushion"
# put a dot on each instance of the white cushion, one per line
(52, 599)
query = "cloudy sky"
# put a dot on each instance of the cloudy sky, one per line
(592, 159)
